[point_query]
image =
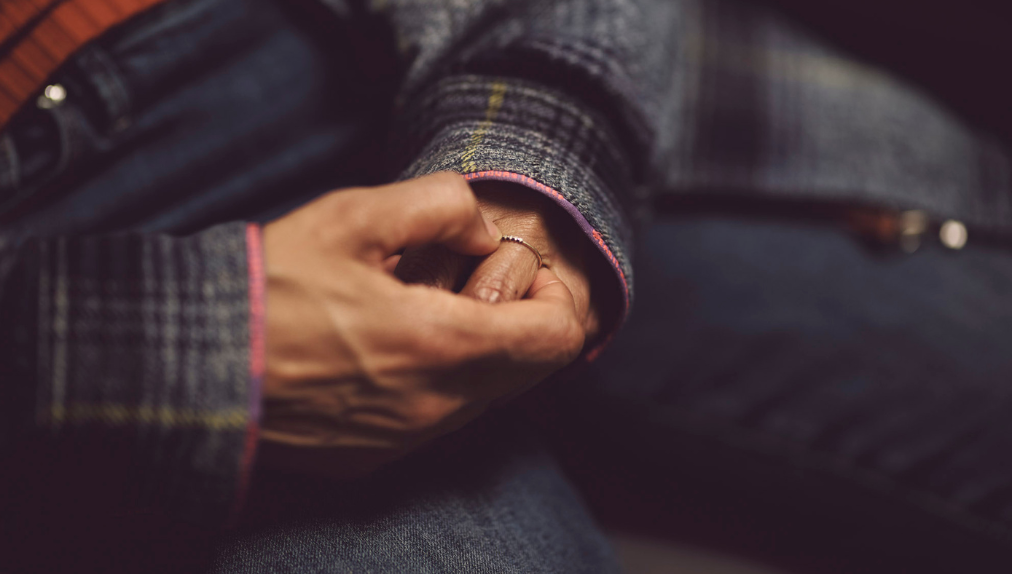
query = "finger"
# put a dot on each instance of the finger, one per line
(438, 208)
(506, 275)
(548, 286)
(433, 266)
(543, 327)
(390, 264)
(542, 331)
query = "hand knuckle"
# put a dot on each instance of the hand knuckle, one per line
(354, 215)
(428, 411)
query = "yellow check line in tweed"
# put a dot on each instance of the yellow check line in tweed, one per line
(467, 164)
(114, 414)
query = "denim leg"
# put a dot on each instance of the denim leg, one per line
(488, 499)
(781, 390)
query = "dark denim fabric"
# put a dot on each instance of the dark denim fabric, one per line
(779, 391)
(783, 391)
(488, 499)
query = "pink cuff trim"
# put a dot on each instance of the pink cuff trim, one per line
(257, 361)
(591, 232)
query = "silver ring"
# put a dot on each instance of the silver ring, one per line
(515, 239)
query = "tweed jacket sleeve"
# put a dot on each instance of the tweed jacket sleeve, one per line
(128, 381)
(604, 105)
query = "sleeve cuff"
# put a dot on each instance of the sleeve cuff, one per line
(257, 365)
(490, 128)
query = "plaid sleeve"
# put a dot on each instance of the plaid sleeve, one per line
(130, 374)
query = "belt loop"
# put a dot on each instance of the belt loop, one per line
(101, 73)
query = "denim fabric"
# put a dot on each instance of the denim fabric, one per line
(784, 391)
(488, 499)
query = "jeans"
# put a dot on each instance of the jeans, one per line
(779, 391)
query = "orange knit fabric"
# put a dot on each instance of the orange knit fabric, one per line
(37, 36)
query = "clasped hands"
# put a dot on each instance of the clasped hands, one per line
(395, 315)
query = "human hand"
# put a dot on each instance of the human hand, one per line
(361, 368)
(508, 273)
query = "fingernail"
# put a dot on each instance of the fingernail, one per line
(493, 230)
(487, 295)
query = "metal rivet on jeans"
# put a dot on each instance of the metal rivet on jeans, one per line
(53, 95)
(953, 234)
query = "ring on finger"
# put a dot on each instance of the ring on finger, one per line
(518, 240)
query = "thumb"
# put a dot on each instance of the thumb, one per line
(548, 287)
(439, 208)
(543, 326)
